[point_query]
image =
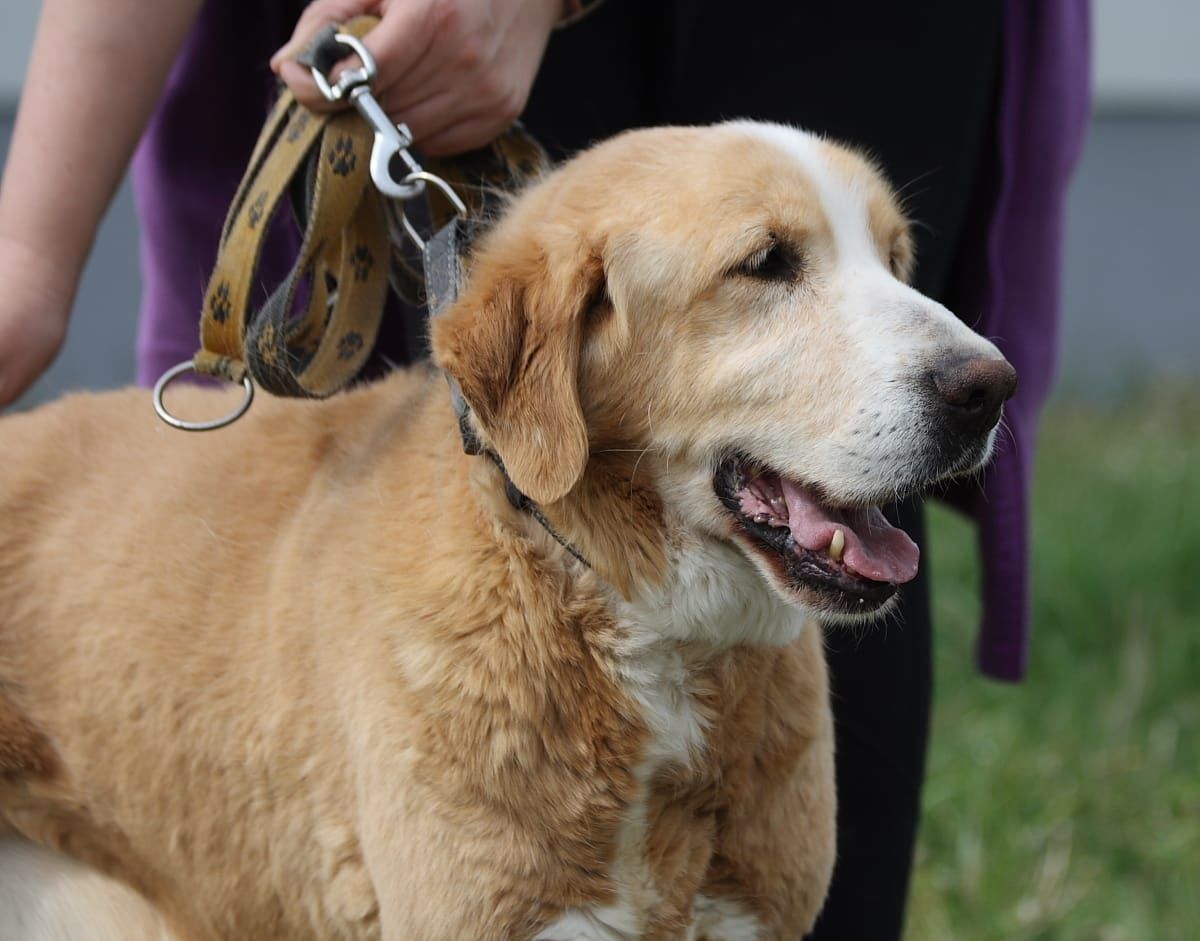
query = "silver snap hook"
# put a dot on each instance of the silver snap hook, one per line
(391, 139)
(350, 78)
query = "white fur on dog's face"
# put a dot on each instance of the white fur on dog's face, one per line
(746, 298)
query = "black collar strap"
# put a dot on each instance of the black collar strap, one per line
(443, 275)
(521, 501)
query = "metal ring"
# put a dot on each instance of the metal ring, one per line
(460, 208)
(351, 78)
(188, 366)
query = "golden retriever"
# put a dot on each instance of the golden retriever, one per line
(316, 676)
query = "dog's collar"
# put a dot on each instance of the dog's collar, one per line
(443, 276)
(519, 500)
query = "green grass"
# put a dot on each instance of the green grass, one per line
(1069, 807)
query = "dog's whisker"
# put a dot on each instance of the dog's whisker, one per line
(636, 465)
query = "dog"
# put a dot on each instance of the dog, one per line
(323, 674)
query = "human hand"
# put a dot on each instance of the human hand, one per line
(34, 308)
(457, 72)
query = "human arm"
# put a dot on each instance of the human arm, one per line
(95, 74)
(457, 72)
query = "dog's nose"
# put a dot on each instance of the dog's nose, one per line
(972, 390)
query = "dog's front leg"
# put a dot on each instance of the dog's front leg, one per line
(776, 843)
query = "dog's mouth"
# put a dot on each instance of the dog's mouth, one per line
(839, 559)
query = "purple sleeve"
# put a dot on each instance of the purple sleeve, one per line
(1043, 110)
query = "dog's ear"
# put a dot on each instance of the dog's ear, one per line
(512, 342)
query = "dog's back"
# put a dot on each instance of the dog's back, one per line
(146, 636)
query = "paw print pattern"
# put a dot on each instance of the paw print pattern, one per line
(267, 349)
(255, 213)
(342, 158)
(219, 304)
(350, 344)
(297, 126)
(363, 261)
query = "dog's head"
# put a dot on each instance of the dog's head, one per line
(726, 309)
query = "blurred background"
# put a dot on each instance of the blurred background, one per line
(1068, 807)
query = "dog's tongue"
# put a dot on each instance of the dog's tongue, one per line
(875, 549)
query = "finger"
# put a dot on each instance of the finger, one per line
(402, 38)
(486, 112)
(300, 83)
(394, 44)
(462, 138)
(426, 116)
(468, 134)
(447, 58)
(316, 17)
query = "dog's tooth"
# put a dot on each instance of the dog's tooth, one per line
(837, 545)
(760, 517)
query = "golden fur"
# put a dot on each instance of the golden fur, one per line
(312, 676)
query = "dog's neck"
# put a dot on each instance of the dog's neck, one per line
(667, 583)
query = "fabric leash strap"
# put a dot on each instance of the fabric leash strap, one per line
(316, 330)
(341, 267)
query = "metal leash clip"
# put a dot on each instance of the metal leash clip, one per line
(391, 140)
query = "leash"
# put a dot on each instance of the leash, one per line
(315, 331)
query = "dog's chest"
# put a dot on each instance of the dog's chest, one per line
(666, 838)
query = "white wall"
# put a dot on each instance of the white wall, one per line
(1147, 51)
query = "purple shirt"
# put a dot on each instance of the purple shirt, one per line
(1044, 104)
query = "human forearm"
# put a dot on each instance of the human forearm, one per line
(95, 74)
(94, 77)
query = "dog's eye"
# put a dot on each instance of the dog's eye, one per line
(775, 261)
